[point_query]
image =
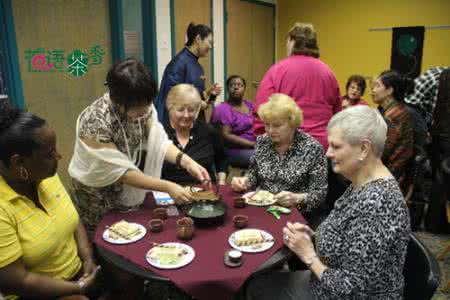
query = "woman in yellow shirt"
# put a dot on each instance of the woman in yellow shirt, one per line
(44, 250)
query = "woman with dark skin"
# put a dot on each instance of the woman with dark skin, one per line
(235, 120)
(44, 249)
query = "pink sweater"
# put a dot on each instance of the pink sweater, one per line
(312, 84)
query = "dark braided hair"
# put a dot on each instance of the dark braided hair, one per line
(17, 132)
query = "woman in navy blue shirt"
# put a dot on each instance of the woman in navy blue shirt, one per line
(185, 68)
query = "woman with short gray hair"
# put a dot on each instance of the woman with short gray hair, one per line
(359, 250)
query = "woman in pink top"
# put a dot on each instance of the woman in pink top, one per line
(305, 78)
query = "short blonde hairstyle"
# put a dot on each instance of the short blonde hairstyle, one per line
(281, 106)
(180, 92)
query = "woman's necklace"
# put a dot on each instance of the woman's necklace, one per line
(132, 158)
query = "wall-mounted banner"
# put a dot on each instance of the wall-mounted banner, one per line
(76, 62)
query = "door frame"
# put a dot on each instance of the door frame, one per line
(10, 59)
(148, 16)
(225, 36)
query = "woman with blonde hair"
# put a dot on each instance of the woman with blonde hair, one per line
(191, 136)
(306, 79)
(287, 162)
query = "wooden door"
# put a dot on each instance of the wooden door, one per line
(250, 41)
(199, 12)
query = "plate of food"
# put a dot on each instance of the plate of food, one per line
(259, 198)
(170, 255)
(251, 240)
(124, 232)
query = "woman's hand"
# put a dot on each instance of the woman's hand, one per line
(215, 90)
(179, 194)
(297, 237)
(288, 199)
(239, 184)
(89, 266)
(86, 282)
(195, 169)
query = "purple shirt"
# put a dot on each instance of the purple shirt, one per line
(240, 123)
(312, 85)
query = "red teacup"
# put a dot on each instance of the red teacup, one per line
(155, 225)
(185, 228)
(239, 202)
(160, 213)
(240, 221)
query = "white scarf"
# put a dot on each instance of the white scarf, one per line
(102, 167)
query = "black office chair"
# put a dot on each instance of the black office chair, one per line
(421, 271)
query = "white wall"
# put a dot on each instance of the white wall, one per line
(163, 32)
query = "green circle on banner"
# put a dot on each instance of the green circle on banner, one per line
(407, 44)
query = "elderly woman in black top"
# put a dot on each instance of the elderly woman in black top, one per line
(191, 136)
(287, 162)
(360, 248)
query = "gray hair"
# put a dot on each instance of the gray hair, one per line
(361, 122)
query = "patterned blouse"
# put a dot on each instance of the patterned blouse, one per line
(363, 243)
(103, 122)
(302, 169)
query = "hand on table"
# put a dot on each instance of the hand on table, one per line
(239, 184)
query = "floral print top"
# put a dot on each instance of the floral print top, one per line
(103, 122)
(363, 243)
(302, 169)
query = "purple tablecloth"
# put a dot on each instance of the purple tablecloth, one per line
(207, 273)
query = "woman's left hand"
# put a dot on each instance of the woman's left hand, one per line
(297, 237)
(287, 199)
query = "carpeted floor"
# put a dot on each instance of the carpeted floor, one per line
(436, 243)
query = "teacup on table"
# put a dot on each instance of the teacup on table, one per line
(160, 213)
(185, 228)
(239, 202)
(240, 221)
(155, 225)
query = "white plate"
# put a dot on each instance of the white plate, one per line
(187, 258)
(121, 241)
(253, 248)
(248, 200)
